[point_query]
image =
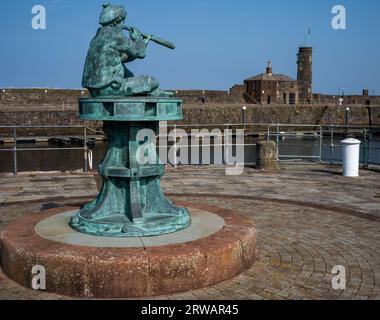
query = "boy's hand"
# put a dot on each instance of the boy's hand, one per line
(135, 34)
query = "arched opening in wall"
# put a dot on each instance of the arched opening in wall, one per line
(269, 99)
(368, 102)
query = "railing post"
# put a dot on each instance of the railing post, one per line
(366, 148)
(278, 141)
(320, 143)
(369, 147)
(278, 135)
(15, 169)
(332, 145)
(85, 150)
(227, 140)
(364, 152)
(175, 147)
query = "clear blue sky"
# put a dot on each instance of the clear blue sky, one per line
(219, 42)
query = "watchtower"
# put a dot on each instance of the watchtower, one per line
(305, 74)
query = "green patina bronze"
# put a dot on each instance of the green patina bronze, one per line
(105, 73)
(131, 203)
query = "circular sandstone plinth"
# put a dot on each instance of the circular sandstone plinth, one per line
(217, 246)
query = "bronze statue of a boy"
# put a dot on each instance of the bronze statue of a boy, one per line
(105, 73)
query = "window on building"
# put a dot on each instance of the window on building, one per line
(292, 98)
(284, 98)
(269, 99)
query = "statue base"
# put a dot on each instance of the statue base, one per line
(121, 226)
(131, 203)
(219, 245)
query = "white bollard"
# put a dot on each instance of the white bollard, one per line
(351, 157)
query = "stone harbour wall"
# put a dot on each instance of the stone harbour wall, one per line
(40, 98)
(319, 115)
(206, 115)
(52, 107)
(44, 118)
(63, 99)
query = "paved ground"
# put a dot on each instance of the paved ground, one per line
(309, 219)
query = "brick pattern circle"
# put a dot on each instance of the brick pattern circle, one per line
(298, 245)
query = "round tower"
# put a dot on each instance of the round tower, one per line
(305, 74)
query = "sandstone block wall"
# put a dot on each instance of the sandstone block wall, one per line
(43, 107)
(319, 115)
(48, 99)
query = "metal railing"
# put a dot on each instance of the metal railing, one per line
(369, 148)
(290, 140)
(280, 133)
(295, 142)
(15, 149)
(224, 137)
(309, 142)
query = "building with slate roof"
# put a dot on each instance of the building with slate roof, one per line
(271, 88)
